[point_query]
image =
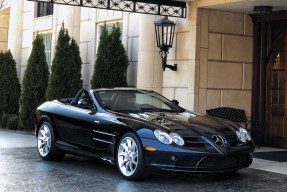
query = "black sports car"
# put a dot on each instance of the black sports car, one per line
(140, 131)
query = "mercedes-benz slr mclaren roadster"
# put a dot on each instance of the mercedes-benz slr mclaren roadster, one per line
(140, 131)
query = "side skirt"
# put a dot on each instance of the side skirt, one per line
(74, 150)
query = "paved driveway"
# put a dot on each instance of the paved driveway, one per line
(21, 169)
(13, 139)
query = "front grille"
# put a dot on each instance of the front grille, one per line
(196, 142)
(201, 142)
(214, 163)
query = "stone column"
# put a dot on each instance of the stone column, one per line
(149, 73)
(15, 32)
(193, 98)
(87, 43)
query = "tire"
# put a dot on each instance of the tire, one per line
(130, 158)
(46, 143)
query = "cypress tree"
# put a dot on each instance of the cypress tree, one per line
(118, 60)
(10, 87)
(75, 68)
(112, 61)
(35, 84)
(101, 65)
(65, 79)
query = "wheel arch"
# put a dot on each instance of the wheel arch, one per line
(140, 172)
(119, 136)
(46, 118)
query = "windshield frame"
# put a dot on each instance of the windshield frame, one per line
(174, 108)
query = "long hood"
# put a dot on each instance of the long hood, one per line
(187, 123)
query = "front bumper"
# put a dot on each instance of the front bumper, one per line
(172, 158)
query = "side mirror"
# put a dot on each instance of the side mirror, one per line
(174, 101)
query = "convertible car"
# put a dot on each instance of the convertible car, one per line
(140, 131)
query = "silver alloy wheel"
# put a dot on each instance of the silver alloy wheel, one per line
(44, 140)
(128, 156)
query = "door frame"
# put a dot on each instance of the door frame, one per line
(268, 30)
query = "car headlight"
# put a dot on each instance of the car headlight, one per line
(168, 138)
(243, 135)
(177, 139)
(162, 136)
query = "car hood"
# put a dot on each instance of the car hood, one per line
(187, 123)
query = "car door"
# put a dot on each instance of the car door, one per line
(104, 130)
(75, 124)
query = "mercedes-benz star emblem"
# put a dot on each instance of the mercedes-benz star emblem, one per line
(218, 140)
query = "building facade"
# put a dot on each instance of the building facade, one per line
(217, 48)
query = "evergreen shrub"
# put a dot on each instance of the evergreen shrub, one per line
(118, 60)
(112, 61)
(12, 122)
(65, 79)
(10, 87)
(75, 68)
(35, 84)
(4, 119)
(102, 61)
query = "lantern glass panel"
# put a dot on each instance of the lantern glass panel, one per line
(159, 32)
(164, 33)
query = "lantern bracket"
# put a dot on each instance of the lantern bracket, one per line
(163, 55)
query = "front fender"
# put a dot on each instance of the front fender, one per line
(146, 133)
(44, 118)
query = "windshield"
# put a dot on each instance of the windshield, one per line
(132, 101)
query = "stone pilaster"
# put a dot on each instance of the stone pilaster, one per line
(71, 16)
(149, 74)
(15, 32)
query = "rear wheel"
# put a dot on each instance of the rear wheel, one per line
(46, 143)
(130, 158)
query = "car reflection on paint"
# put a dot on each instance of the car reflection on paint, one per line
(140, 131)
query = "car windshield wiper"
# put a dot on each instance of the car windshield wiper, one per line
(150, 109)
(146, 109)
(168, 110)
(127, 111)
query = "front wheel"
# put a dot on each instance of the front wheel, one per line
(46, 143)
(130, 158)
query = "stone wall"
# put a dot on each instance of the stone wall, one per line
(213, 50)
(225, 60)
(83, 25)
(91, 20)
(27, 31)
(183, 83)
(4, 27)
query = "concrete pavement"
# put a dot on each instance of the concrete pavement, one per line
(21, 169)
(16, 139)
(12, 139)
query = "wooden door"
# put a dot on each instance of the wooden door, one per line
(277, 129)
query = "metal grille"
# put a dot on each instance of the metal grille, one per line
(154, 7)
(225, 162)
(198, 142)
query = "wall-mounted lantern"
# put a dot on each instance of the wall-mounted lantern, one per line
(164, 33)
